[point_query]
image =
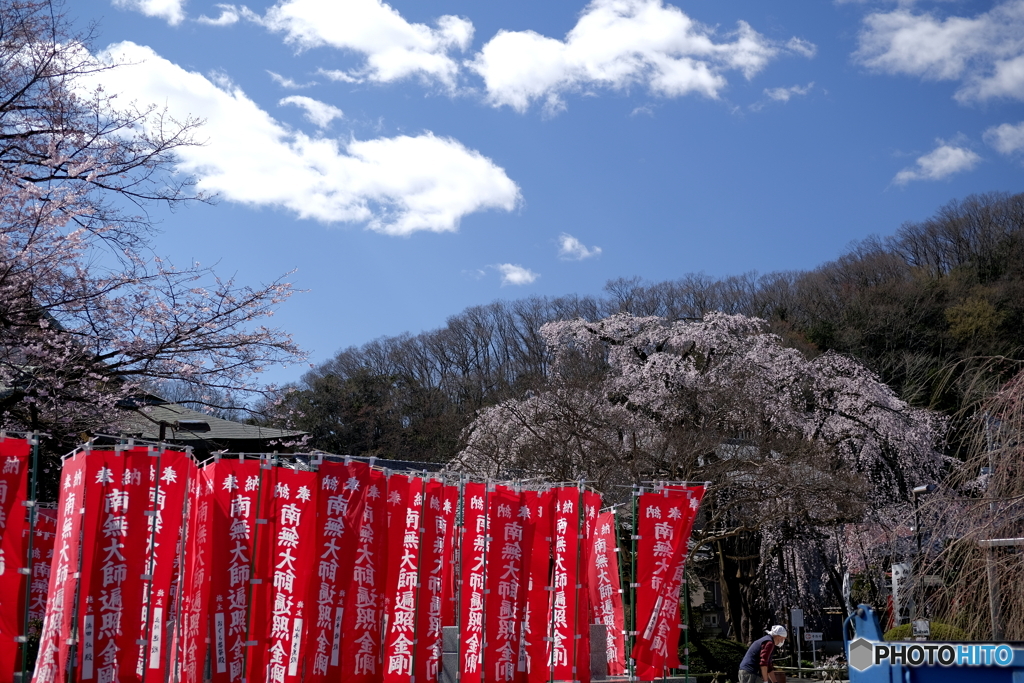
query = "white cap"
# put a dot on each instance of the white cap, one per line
(778, 631)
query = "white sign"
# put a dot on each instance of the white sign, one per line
(796, 618)
(921, 628)
(900, 576)
(812, 635)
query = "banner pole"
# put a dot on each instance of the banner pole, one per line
(576, 635)
(663, 489)
(151, 563)
(76, 603)
(686, 622)
(623, 575)
(419, 576)
(453, 529)
(385, 621)
(486, 591)
(551, 590)
(632, 587)
(460, 539)
(252, 561)
(31, 504)
(172, 661)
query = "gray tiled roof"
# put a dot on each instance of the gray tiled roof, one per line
(146, 425)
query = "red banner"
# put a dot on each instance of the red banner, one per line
(694, 496)
(606, 592)
(584, 608)
(170, 474)
(286, 558)
(14, 467)
(473, 556)
(52, 660)
(361, 645)
(124, 600)
(193, 631)
(504, 578)
(44, 539)
(435, 575)
(110, 602)
(666, 520)
(657, 551)
(565, 578)
(339, 515)
(240, 494)
(534, 644)
(449, 606)
(405, 513)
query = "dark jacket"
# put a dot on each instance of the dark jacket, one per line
(759, 654)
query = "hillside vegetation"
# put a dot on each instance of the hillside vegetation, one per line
(936, 310)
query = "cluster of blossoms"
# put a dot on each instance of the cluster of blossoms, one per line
(794, 446)
(650, 380)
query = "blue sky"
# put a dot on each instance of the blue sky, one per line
(414, 158)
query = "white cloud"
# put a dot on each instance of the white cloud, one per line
(984, 53)
(286, 82)
(318, 113)
(394, 185)
(785, 94)
(393, 47)
(571, 249)
(1006, 138)
(512, 274)
(941, 162)
(617, 44)
(338, 75)
(229, 14)
(801, 47)
(172, 11)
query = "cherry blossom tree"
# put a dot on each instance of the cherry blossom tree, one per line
(89, 315)
(794, 447)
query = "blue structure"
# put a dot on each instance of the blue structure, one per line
(983, 662)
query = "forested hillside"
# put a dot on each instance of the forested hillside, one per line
(936, 310)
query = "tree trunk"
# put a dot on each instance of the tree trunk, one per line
(738, 580)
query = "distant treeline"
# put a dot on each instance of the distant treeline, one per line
(936, 310)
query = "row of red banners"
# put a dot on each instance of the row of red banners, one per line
(154, 569)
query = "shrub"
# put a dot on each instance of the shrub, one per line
(715, 654)
(940, 631)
